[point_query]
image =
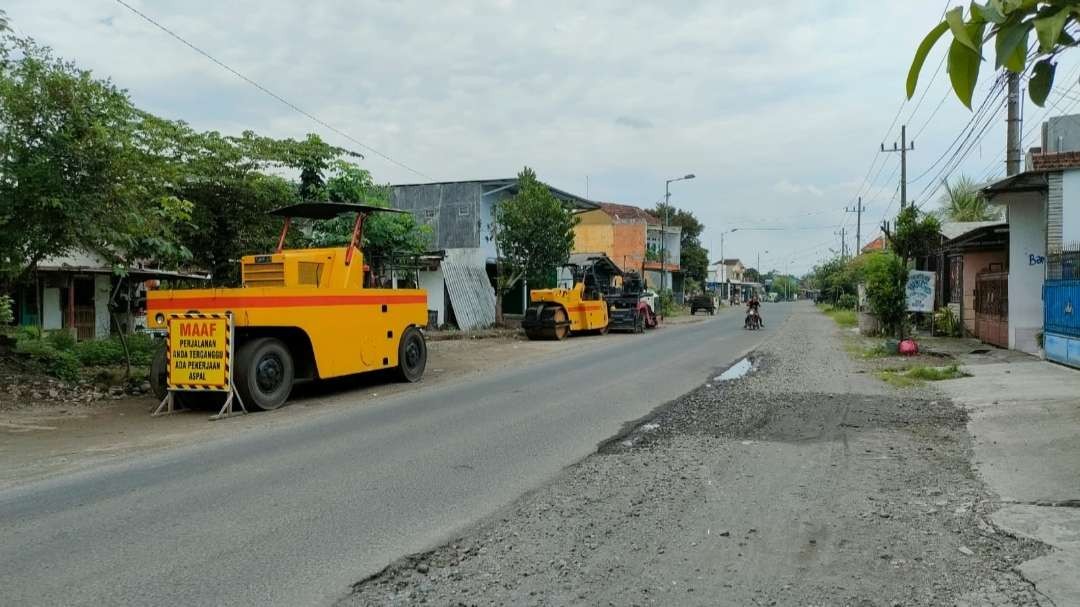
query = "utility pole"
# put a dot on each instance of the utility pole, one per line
(843, 242)
(903, 149)
(859, 208)
(1012, 123)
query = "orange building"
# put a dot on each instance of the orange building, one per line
(626, 233)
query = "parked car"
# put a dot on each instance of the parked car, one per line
(705, 302)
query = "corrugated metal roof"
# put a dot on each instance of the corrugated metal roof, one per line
(956, 229)
(471, 295)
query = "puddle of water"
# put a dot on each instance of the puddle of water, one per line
(736, 371)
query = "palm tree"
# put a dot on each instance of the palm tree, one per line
(962, 201)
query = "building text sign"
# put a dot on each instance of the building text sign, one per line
(199, 352)
(920, 291)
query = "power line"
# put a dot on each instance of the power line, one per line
(262, 88)
(958, 158)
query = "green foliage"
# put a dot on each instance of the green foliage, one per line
(61, 340)
(916, 375)
(7, 314)
(693, 258)
(886, 278)
(386, 235)
(691, 286)
(847, 301)
(44, 356)
(842, 317)
(946, 322)
(105, 352)
(85, 169)
(963, 201)
(665, 301)
(786, 286)
(75, 167)
(533, 231)
(1009, 24)
(837, 277)
(916, 234)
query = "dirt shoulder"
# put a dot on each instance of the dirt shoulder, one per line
(808, 482)
(57, 431)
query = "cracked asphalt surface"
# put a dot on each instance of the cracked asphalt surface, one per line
(804, 483)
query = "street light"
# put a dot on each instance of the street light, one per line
(663, 226)
(727, 291)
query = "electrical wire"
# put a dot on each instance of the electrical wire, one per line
(271, 93)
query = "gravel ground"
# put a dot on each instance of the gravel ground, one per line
(804, 483)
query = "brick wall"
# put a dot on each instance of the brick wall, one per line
(1055, 162)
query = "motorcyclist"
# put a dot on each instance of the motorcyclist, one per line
(754, 307)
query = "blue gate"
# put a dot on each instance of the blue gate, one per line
(1061, 314)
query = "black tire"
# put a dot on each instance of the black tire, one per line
(412, 355)
(159, 374)
(264, 373)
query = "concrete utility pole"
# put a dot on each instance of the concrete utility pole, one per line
(859, 208)
(843, 242)
(1012, 123)
(903, 149)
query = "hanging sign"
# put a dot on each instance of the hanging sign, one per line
(920, 291)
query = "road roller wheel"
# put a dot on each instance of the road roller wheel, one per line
(561, 327)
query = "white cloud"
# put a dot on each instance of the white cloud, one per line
(776, 106)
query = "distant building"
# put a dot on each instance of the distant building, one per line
(727, 278)
(460, 276)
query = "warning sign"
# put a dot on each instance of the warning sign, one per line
(199, 349)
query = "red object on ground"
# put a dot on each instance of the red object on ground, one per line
(909, 348)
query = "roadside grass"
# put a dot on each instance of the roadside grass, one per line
(861, 351)
(844, 318)
(916, 376)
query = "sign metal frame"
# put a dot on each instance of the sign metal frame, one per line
(169, 403)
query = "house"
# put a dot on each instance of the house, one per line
(728, 278)
(74, 292)
(1043, 204)
(974, 271)
(631, 237)
(460, 278)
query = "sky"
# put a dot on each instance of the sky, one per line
(779, 108)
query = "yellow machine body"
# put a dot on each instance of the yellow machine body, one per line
(555, 313)
(315, 301)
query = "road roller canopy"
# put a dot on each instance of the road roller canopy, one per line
(328, 210)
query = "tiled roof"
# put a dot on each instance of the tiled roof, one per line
(628, 212)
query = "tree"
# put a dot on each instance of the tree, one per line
(886, 280)
(386, 235)
(963, 201)
(533, 234)
(693, 258)
(76, 167)
(916, 234)
(752, 275)
(1010, 23)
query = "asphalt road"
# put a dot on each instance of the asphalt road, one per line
(294, 515)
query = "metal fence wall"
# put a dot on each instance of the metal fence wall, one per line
(1061, 307)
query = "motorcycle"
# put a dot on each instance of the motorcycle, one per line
(753, 320)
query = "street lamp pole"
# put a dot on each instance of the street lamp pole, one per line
(663, 225)
(727, 292)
